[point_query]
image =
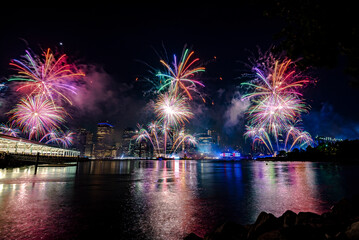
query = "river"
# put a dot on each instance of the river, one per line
(145, 199)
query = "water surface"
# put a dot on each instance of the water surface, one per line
(141, 199)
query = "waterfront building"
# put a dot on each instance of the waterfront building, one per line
(17, 145)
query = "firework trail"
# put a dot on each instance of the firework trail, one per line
(37, 115)
(276, 105)
(51, 136)
(154, 129)
(60, 138)
(180, 75)
(151, 135)
(9, 129)
(46, 75)
(67, 138)
(182, 138)
(178, 137)
(299, 138)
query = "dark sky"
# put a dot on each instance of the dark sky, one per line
(114, 42)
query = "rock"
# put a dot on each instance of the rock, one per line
(288, 218)
(228, 230)
(344, 208)
(304, 218)
(332, 225)
(192, 236)
(265, 222)
(272, 235)
(353, 231)
(300, 232)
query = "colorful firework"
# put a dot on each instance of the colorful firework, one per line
(157, 136)
(181, 139)
(172, 109)
(276, 105)
(37, 115)
(46, 75)
(67, 138)
(297, 137)
(175, 89)
(58, 137)
(9, 129)
(151, 136)
(51, 136)
(181, 74)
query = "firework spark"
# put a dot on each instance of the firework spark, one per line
(60, 138)
(172, 110)
(37, 115)
(178, 138)
(181, 74)
(46, 75)
(276, 105)
(9, 129)
(181, 139)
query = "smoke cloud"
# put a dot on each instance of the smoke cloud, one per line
(104, 98)
(327, 122)
(236, 110)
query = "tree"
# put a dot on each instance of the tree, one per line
(319, 32)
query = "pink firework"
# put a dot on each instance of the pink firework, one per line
(37, 115)
(46, 75)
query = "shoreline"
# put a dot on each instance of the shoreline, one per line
(341, 223)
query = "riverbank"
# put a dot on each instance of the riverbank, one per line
(341, 223)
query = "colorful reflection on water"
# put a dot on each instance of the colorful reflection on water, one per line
(161, 199)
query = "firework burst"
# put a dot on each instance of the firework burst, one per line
(9, 129)
(276, 105)
(37, 115)
(46, 75)
(172, 110)
(177, 137)
(180, 74)
(58, 137)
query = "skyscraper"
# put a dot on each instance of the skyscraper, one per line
(104, 140)
(128, 142)
(84, 142)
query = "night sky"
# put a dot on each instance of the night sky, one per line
(117, 44)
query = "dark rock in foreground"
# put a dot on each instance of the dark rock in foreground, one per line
(341, 223)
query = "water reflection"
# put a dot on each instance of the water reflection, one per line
(160, 199)
(280, 186)
(26, 212)
(167, 193)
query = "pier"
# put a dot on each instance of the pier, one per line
(15, 151)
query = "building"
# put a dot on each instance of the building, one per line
(89, 145)
(84, 142)
(205, 143)
(17, 145)
(128, 142)
(321, 139)
(104, 141)
(143, 150)
(216, 139)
